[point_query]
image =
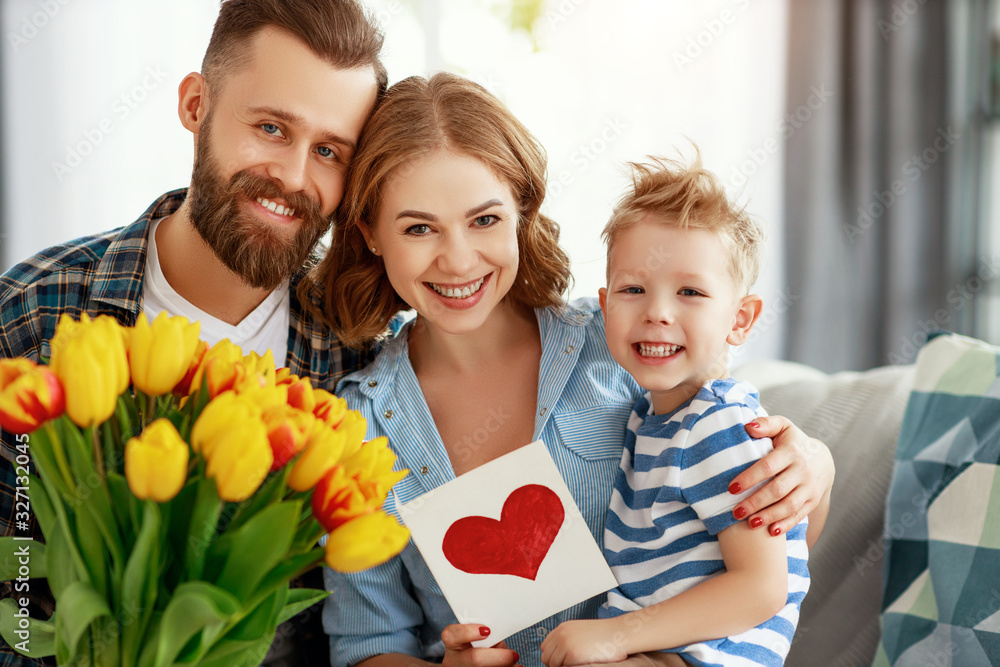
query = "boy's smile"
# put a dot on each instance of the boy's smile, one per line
(671, 315)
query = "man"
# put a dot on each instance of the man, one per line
(285, 90)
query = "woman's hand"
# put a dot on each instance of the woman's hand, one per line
(802, 470)
(458, 649)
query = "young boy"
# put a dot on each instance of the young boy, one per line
(681, 261)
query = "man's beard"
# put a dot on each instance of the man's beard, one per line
(252, 248)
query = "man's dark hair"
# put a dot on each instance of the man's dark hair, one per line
(340, 32)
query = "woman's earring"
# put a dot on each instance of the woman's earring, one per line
(374, 250)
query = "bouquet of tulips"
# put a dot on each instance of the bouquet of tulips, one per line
(180, 488)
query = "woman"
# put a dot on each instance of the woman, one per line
(441, 214)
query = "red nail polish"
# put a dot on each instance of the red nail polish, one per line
(484, 631)
(517, 657)
(776, 531)
(735, 488)
(740, 512)
(756, 522)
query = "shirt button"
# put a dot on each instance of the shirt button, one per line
(569, 349)
(373, 383)
(540, 631)
(388, 414)
(542, 411)
(424, 470)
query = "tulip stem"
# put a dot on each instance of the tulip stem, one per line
(98, 451)
(150, 410)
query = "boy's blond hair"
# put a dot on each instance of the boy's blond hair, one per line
(690, 197)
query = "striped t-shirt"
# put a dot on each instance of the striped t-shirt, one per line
(671, 499)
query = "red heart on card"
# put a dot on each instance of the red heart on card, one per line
(516, 544)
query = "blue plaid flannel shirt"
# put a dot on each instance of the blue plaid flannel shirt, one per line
(103, 275)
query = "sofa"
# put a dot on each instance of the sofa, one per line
(914, 524)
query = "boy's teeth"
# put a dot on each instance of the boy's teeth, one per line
(463, 293)
(275, 207)
(647, 350)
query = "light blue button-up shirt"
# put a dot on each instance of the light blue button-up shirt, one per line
(584, 400)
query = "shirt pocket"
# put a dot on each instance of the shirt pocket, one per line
(594, 433)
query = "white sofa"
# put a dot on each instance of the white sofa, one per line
(858, 415)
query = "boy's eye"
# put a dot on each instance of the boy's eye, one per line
(418, 230)
(687, 291)
(633, 290)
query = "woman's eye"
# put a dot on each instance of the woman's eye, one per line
(272, 129)
(418, 230)
(486, 220)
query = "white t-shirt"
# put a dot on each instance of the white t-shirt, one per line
(266, 328)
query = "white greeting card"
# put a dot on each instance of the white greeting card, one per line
(507, 544)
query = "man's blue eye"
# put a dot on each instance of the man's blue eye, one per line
(270, 128)
(326, 151)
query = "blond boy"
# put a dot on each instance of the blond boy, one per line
(693, 579)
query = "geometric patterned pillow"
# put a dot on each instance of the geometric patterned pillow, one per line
(941, 595)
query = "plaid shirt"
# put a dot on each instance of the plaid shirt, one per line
(103, 275)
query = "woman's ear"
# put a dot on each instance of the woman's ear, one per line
(192, 102)
(749, 310)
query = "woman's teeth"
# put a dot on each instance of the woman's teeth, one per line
(463, 293)
(276, 208)
(659, 350)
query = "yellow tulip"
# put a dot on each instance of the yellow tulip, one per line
(365, 542)
(223, 365)
(329, 408)
(159, 354)
(183, 387)
(261, 366)
(300, 392)
(373, 462)
(89, 359)
(353, 426)
(156, 462)
(325, 447)
(339, 498)
(230, 433)
(288, 431)
(29, 395)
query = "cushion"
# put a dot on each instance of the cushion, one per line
(857, 415)
(941, 600)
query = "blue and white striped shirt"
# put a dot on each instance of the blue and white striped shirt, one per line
(584, 401)
(670, 501)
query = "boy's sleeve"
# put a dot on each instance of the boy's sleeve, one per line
(719, 450)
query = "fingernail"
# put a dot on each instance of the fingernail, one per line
(517, 657)
(756, 522)
(484, 631)
(735, 488)
(754, 425)
(776, 531)
(740, 512)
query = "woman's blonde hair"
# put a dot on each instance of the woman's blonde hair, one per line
(416, 117)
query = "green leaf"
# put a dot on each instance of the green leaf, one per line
(201, 530)
(95, 556)
(139, 583)
(300, 599)
(16, 553)
(126, 509)
(195, 606)
(262, 621)
(79, 606)
(258, 547)
(231, 653)
(286, 570)
(271, 491)
(41, 503)
(60, 563)
(37, 640)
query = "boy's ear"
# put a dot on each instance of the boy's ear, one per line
(746, 316)
(192, 102)
(602, 296)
